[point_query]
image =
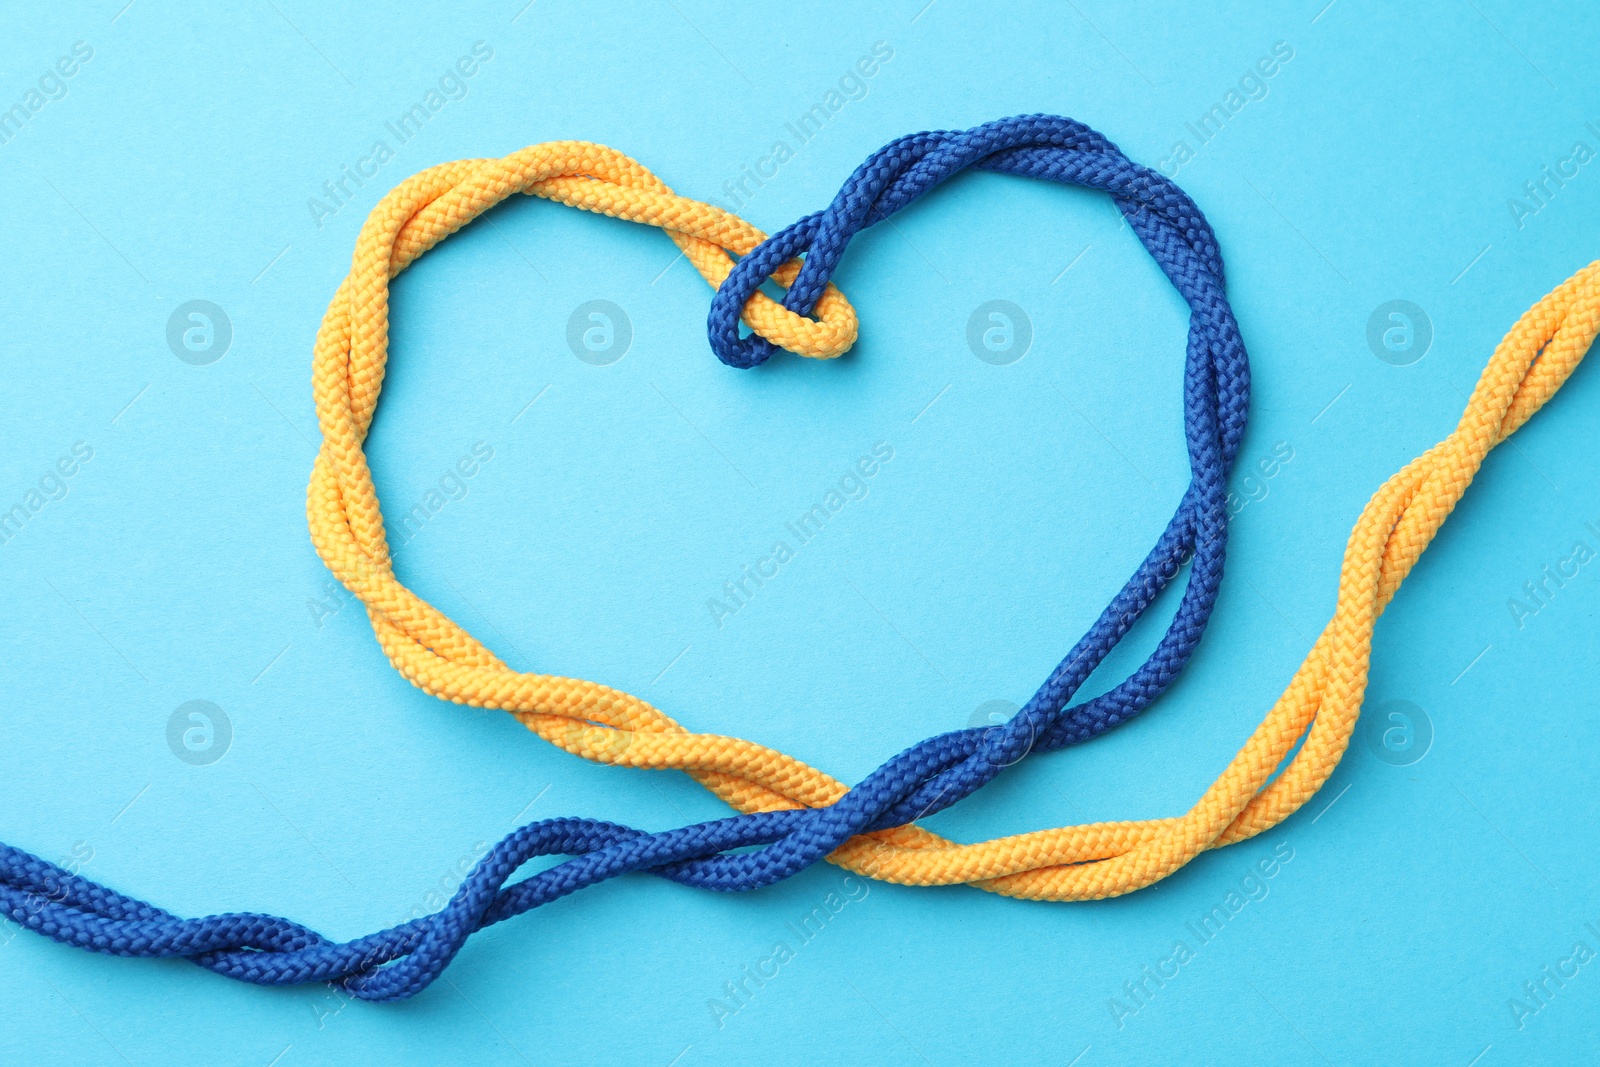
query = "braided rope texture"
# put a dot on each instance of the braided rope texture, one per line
(605, 725)
(1319, 707)
(797, 813)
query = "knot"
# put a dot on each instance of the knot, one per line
(431, 205)
(1042, 146)
(595, 178)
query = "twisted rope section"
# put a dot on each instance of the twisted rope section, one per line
(1323, 699)
(1071, 863)
(605, 725)
(352, 343)
(350, 354)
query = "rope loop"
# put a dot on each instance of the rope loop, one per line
(1038, 146)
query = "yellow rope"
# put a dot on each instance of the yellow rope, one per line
(608, 726)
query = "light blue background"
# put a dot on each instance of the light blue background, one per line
(178, 567)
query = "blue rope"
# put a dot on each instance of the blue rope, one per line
(926, 778)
